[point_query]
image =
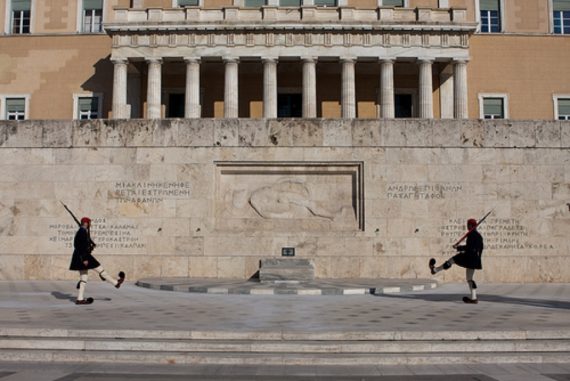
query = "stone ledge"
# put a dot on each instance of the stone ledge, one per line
(285, 133)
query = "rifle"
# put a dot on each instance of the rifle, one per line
(473, 228)
(91, 243)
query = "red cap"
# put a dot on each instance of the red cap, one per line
(86, 219)
(472, 222)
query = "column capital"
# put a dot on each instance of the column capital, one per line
(309, 59)
(119, 60)
(153, 60)
(389, 60)
(460, 60)
(191, 60)
(269, 59)
(429, 60)
(230, 59)
(348, 59)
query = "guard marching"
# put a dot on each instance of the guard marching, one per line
(468, 256)
(83, 261)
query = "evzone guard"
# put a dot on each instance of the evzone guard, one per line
(83, 261)
(468, 257)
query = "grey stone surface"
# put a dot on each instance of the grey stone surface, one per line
(196, 133)
(548, 133)
(278, 132)
(286, 269)
(367, 132)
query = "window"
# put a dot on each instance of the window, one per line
(20, 16)
(88, 108)
(490, 13)
(325, 3)
(188, 3)
(254, 3)
(393, 3)
(562, 108)
(493, 108)
(561, 16)
(15, 108)
(289, 3)
(92, 16)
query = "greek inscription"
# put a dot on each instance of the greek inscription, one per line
(417, 191)
(498, 233)
(105, 233)
(151, 192)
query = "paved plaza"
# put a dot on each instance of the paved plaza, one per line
(505, 310)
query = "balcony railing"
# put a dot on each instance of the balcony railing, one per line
(285, 14)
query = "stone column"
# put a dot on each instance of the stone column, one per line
(154, 87)
(269, 88)
(192, 108)
(460, 89)
(387, 89)
(231, 106)
(348, 89)
(309, 88)
(120, 107)
(426, 89)
(446, 92)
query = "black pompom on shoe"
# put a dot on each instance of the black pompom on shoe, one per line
(121, 279)
(84, 301)
(470, 301)
(432, 266)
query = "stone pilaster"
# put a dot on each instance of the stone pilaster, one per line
(387, 107)
(120, 107)
(231, 88)
(348, 89)
(426, 89)
(460, 89)
(192, 108)
(309, 88)
(154, 87)
(269, 88)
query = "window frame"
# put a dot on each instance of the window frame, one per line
(8, 19)
(175, 4)
(501, 17)
(555, 98)
(551, 19)
(483, 96)
(76, 112)
(3, 104)
(80, 18)
(406, 4)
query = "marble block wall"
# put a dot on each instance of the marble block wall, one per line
(211, 198)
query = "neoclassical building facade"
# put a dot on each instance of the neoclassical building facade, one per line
(278, 58)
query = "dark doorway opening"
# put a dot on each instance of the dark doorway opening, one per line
(289, 105)
(403, 105)
(175, 106)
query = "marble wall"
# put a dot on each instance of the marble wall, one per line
(210, 198)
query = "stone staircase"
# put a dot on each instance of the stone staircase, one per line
(283, 348)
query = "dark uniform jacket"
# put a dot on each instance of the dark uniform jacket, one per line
(82, 252)
(470, 254)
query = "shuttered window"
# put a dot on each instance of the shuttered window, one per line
(493, 108)
(188, 3)
(392, 3)
(563, 105)
(325, 3)
(490, 12)
(92, 16)
(88, 107)
(20, 16)
(254, 3)
(15, 108)
(289, 3)
(561, 16)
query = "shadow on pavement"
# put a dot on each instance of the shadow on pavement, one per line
(542, 303)
(61, 296)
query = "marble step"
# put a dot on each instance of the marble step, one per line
(286, 269)
(257, 358)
